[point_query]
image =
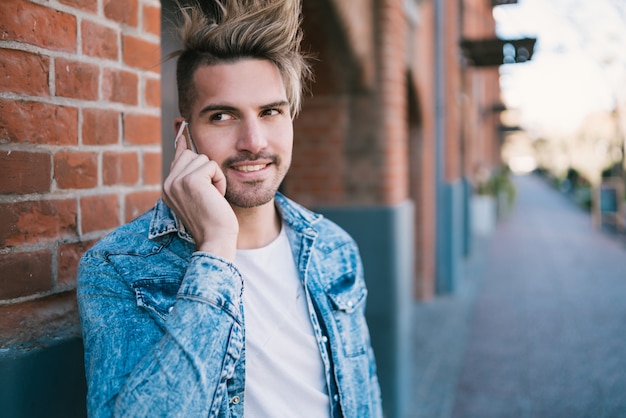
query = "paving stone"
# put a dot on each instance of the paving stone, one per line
(537, 328)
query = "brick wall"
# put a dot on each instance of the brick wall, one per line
(453, 93)
(351, 137)
(361, 142)
(330, 148)
(423, 164)
(393, 71)
(79, 146)
(482, 86)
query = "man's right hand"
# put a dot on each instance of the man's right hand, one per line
(195, 190)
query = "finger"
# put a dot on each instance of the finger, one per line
(183, 163)
(181, 158)
(181, 143)
(219, 179)
(201, 172)
(188, 163)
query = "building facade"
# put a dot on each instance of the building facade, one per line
(388, 144)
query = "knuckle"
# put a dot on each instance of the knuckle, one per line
(187, 181)
(167, 185)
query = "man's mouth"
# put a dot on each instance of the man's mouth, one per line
(250, 168)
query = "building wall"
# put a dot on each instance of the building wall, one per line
(79, 148)
(453, 92)
(481, 87)
(423, 162)
(467, 128)
(351, 162)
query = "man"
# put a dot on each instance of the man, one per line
(227, 298)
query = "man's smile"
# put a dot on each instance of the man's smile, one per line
(251, 167)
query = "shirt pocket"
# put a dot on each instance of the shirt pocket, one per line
(157, 296)
(347, 296)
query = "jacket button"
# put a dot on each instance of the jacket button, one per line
(324, 339)
(235, 400)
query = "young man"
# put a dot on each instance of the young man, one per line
(228, 299)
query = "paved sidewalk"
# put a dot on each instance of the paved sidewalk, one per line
(538, 326)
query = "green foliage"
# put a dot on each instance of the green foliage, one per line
(503, 185)
(498, 183)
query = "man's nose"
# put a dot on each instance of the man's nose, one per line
(252, 136)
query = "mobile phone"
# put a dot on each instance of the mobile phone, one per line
(184, 130)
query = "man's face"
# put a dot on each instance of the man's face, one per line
(241, 120)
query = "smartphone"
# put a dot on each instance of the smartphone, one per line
(184, 130)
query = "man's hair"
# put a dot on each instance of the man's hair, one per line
(224, 31)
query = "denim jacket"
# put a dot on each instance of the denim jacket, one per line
(163, 324)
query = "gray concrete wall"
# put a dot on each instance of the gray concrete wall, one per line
(451, 236)
(44, 381)
(386, 241)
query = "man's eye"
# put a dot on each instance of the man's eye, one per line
(271, 112)
(219, 117)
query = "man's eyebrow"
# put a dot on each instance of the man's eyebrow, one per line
(228, 108)
(216, 107)
(280, 103)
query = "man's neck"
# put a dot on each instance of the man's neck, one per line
(258, 226)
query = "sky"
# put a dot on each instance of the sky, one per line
(579, 63)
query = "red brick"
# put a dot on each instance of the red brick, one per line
(45, 318)
(139, 202)
(67, 261)
(142, 129)
(139, 53)
(37, 123)
(152, 19)
(120, 168)
(101, 127)
(122, 11)
(23, 72)
(152, 173)
(25, 274)
(120, 86)
(25, 172)
(76, 170)
(76, 79)
(99, 41)
(36, 222)
(153, 93)
(37, 25)
(88, 5)
(99, 213)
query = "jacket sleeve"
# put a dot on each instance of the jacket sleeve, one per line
(138, 367)
(374, 386)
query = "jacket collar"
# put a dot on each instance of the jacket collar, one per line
(164, 220)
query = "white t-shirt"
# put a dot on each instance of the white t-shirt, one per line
(284, 369)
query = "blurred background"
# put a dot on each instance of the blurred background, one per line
(570, 99)
(438, 133)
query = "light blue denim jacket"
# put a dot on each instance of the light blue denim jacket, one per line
(163, 324)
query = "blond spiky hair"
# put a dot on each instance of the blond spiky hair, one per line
(234, 29)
